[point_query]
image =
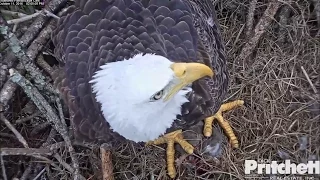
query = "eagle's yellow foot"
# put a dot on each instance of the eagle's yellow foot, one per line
(207, 130)
(170, 139)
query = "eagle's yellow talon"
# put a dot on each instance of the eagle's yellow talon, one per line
(170, 139)
(207, 130)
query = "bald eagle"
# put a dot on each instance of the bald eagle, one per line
(142, 70)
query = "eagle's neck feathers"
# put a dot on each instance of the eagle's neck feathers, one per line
(124, 89)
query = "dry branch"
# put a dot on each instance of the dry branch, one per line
(317, 10)
(24, 151)
(26, 39)
(106, 162)
(64, 164)
(250, 17)
(36, 27)
(49, 114)
(309, 80)
(40, 173)
(49, 140)
(260, 28)
(26, 172)
(13, 129)
(3, 168)
(12, 13)
(23, 19)
(283, 22)
(9, 88)
(27, 63)
(44, 65)
(18, 33)
(23, 120)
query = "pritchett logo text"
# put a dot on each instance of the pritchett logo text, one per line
(312, 167)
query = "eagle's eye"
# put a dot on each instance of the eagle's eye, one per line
(157, 96)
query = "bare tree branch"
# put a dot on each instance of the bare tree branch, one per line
(260, 28)
(49, 113)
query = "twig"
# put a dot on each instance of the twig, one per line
(48, 161)
(40, 173)
(56, 146)
(39, 128)
(26, 39)
(43, 37)
(24, 151)
(48, 112)
(9, 88)
(23, 120)
(50, 138)
(63, 121)
(36, 26)
(13, 129)
(283, 22)
(50, 14)
(309, 80)
(64, 164)
(16, 48)
(3, 168)
(106, 162)
(29, 108)
(23, 19)
(260, 28)
(44, 65)
(317, 10)
(14, 29)
(26, 172)
(7, 135)
(12, 13)
(18, 33)
(250, 17)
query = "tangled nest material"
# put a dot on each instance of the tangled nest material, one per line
(273, 50)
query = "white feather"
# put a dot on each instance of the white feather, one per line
(124, 89)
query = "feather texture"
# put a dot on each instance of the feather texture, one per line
(94, 32)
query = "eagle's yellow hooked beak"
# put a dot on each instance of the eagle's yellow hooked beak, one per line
(186, 73)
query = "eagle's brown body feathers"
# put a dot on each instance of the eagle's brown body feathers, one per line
(95, 32)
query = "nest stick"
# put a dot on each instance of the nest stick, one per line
(26, 172)
(250, 17)
(49, 114)
(317, 10)
(309, 80)
(37, 25)
(44, 65)
(106, 162)
(283, 22)
(9, 87)
(3, 168)
(13, 13)
(14, 130)
(28, 64)
(26, 119)
(260, 28)
(64, 164)
(50, 14)
(23, 19)
(31, 34)
(25, 151)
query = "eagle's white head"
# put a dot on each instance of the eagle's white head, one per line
(141, 97)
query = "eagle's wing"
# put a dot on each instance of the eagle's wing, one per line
(208, 94)
(94, 32)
